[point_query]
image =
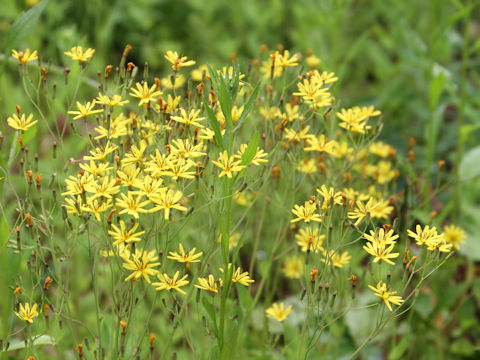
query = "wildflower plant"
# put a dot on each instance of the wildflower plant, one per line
(145, 174)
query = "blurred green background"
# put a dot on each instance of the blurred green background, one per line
(417, 61)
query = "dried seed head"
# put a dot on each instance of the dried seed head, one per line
(127, 50)
(441, 164)
(107, 71)
(47, 283)
(123, 324)
(152, 339)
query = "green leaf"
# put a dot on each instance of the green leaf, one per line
(211, 313)
(399, 349)
(251, 150)
(21, 28)
(437, 86)
(41, 340)
(470, 166)
(215, 125)
(248, 107)
(471, 248)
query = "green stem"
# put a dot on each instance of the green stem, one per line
(461, 111)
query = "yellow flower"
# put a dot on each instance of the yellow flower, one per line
(94, 168)
(96, 207)
(284, 61)
(169, 283)
(27, 313)
(330, 197)
(384, 173)
(380, 245)
(321, 144)
(189, 118)
(111, 101)
(148, 186)
(387, 296)
(141, 264)
(105, 187)
(313, 61)
(336, 259)
(278, 311)
(425, 236)
(209, 284)
(124, 235)
(362, 210)
(206, 134)
(84, 110)
(177, 61)
(129, 175)
(258, 158)
(353, 120)
(21, 123)
(198, 73)
(131, 205)
(294, 136)
(78, 53)
(159, 164)
(454, 235)
(313, 93)
(185, 149)
(173, 82)
(381, 210)
(229, 165)
(24, 57)
(185, 257)
(307, 166)
(381, 149)
(118, 128)
(310, 240)
(293, 267)
(99, 153)
(367, 111)
(306, 212)
(136, 154)
(144, 93)
(239, 276)
(166, 200)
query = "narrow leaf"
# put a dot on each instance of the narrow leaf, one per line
(248, 107)
(215, 125)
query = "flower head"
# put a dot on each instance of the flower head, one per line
(144, 93)
(229, 165)
(178, 61)
(24, 57)
(306, 212)
(278, 311)
(80, 54)
(169, 283)
(336, 258)
(21, 122)
(209, 284)
(27, 313)
(293, 267)
(239, 276)
(84, 110)
(454, 235)
(123, 235)
(387, 296)
(141, 264)
(185, 256)
(166, 200)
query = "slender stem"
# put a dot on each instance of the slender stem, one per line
(461, 111)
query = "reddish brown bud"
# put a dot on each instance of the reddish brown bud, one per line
(126, 50)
